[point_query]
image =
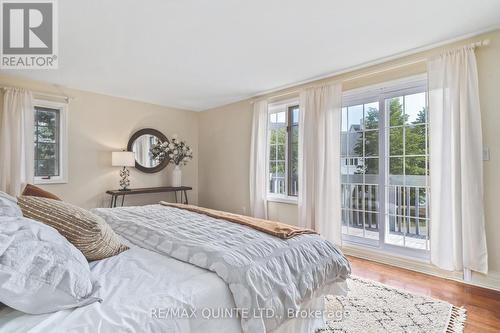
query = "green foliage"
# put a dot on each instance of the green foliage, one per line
(295, 152)
(44, 117)
(371, 118)
(397, 117)
(46, 168)
(415, 139)
(277, 151)
(45, 133)
(45, 151)
(278, 136)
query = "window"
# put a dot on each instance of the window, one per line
(360, 170)
(385, 169)
(283, 149)
(50, 159)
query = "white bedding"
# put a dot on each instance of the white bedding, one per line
(139, 286)
(269, 277)
(133, 284)
(137, 281)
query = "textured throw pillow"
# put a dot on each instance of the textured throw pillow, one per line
(89, 233)
(35, 191)
(40, 271)
(8, 206)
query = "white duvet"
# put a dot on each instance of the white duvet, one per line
(134, 284)
(137, 282)
(139, 287)
(270, 278)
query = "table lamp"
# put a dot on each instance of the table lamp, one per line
(123, 159)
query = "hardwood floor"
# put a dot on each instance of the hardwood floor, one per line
(483, 305)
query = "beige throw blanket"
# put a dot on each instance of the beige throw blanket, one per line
(273, 228)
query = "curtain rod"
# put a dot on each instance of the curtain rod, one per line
(42, 94)
(484, 42)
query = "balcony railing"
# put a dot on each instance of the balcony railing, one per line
(277, 184)
(406, 209)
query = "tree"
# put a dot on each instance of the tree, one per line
(277, 151)
(414, 143)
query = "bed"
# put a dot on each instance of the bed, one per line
(156, 286)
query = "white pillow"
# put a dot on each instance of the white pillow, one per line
(8, 206)
(40, 271)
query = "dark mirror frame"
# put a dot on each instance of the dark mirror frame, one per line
(153, 132)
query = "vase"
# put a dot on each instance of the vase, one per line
(176, 176)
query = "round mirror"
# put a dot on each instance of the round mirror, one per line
(141, 143)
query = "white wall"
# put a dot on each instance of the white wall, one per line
(100, 124)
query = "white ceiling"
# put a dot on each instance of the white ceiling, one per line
(196, 54)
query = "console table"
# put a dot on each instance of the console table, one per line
(117, 193)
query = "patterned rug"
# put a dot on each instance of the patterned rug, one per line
(374, 307)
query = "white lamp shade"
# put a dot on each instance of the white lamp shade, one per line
(123, 158)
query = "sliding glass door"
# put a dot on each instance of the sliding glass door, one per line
(407, 165)
(360, 171)
(385, 168)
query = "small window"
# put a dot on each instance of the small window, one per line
(283, 149)
(50, 158)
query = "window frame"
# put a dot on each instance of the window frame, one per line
(381, 92)
(277, 107)
(63, 142)
(289, 138)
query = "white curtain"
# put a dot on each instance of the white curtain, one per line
(16, 141)
(258, 157)
(458, 238)
(319, 160)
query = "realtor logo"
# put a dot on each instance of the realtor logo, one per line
(28, 34)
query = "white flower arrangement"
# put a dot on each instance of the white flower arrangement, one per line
(174, 151)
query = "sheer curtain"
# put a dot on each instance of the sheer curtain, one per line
(258, 156)
(319, 160)
(16, 141)
(458, 238)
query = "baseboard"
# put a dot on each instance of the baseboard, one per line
(490, 281)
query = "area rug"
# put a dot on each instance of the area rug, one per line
(374, 307)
